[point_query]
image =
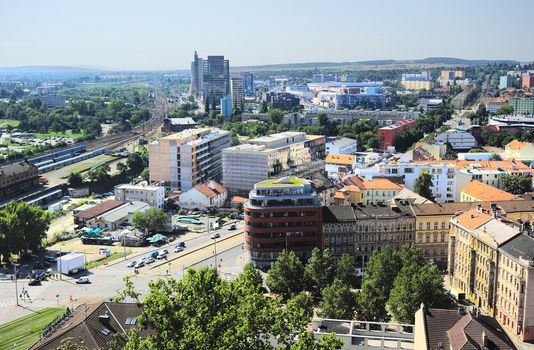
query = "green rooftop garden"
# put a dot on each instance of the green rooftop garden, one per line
(285, 181)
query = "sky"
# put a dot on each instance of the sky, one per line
(163, 34)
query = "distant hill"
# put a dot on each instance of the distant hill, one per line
(429, 60)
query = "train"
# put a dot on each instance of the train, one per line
(70, 160)
(57, 155)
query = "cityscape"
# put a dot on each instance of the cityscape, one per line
(175, 182)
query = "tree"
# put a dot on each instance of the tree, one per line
(417, 283)
(263, 107)
(319, 271)
(516, 184)
(151, 219)
(277, 115)
(22, 228)
(203, 311)
(377, 284)
(346, 270)
(136, 164)
(423, 185)
(339, 301)
(495, 156)
(75, 179)
(504, 110)
(251, 275)
(286, 275)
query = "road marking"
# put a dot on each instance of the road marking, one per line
(8, 303)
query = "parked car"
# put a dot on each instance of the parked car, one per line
(34, 282)
(50, 259)
(150, 260)
(181, 244)
(232, 227)
(171, 239)
(161, 255)
(178, 249)
(215, 235)
(139, 264)
(154, 255)
(83, 280)
(131, 263)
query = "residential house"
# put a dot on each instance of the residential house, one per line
(205, 195)
(477, 191)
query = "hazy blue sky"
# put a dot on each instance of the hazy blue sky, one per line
(162, 34)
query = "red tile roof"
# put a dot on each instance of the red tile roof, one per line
(210, 189)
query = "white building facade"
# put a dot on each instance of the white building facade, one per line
(458, 139)
(342, 145)
(153, 195)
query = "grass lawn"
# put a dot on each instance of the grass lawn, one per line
(4, 123)
(68, 133)
(113, 256)
(25, 331)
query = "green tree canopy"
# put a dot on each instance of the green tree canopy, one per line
(203, 311)
(503, 110)
(319, 272)
(423, 185)
(339, 301)
(75, 179)
(346, 270)
(152, 219)
(377, 284)
(286, 277)
(516, 184)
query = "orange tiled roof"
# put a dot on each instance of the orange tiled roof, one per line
(381, 184)
(238, 199)
(339, 195)
(352, 188)
(340, 159)
(210, 191)
(473, 219)
(484, 192)
(517, 144)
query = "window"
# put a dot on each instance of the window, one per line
(105, 331)
(428, 225)
(130, 321)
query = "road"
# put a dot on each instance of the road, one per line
(106, 280)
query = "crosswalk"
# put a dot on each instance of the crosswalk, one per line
(7, 303)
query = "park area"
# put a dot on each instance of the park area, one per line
(25, 331)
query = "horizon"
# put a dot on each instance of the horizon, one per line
(142, 36)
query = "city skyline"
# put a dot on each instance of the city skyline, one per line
(138, 35)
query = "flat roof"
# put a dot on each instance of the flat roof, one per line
(285, 181)
(123, 210)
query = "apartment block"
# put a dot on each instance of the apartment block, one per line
(237, 93)
(152, 195)
(388, 135)
(182, 160)
(491, 264)
(417, 84)
(265, 157)
(477, 191)
(362, 229)
(523, 105)
(281, 214)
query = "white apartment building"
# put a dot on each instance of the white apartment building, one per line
(447, 181)
(182, 160)
(261, 158)
(458, 139)
(342, 145)
(153, 195)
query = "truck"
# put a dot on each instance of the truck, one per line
(71, 263)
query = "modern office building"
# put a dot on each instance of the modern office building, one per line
(523, 106)
(196, 76)
(505, 81)
(362, 229)
(457, 139)
(266, 157)
(282, 100)
(283, 214)
(152, 195)
(215, 80)
(388, 135)
(182, 160)
(491, 264)
(237, 93)
(248, 84)
(226, 107)
(366, 100)
(342, 145)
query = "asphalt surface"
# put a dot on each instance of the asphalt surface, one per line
(107, 280)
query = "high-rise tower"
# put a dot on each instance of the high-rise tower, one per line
(196, 76)
(215, 80)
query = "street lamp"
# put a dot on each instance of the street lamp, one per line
(16, 286)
